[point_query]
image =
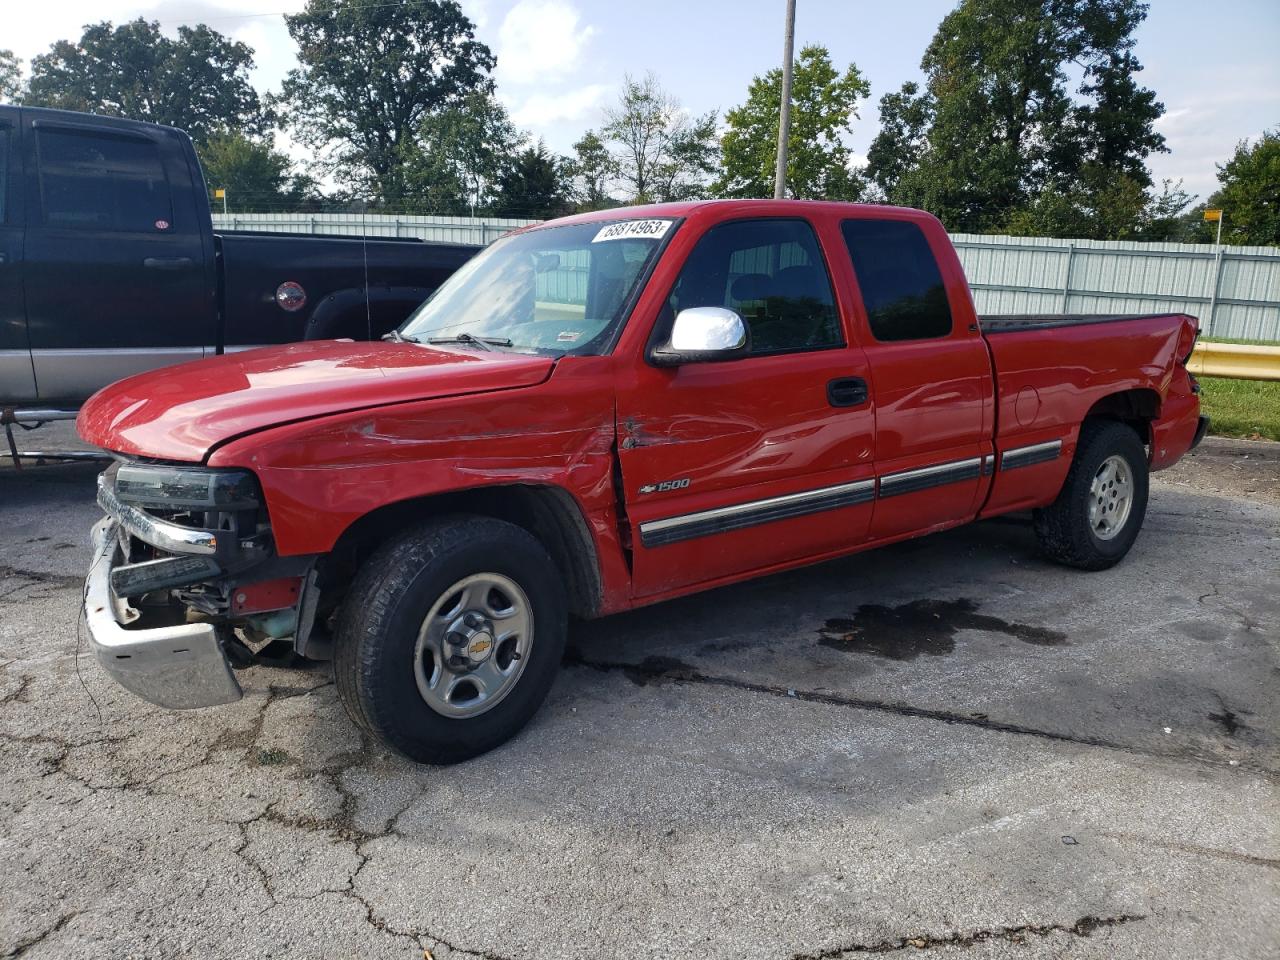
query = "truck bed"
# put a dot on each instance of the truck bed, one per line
(1013, 322)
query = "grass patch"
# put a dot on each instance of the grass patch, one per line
(273, 758)
(1241, 408)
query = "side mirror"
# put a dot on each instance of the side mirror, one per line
(701, 334)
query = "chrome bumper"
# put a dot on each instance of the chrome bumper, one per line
(161, 534)
(178, 667)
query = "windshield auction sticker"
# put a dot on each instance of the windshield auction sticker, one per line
(628, 229)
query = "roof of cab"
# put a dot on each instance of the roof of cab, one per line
(684, 208)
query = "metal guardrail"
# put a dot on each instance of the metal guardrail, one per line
(1236, 361)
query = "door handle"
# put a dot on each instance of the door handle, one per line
(167, 263)
(847, 392)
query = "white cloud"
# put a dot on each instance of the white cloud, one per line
(478, 11)
(1201, 131)
(540, 41)
(542, 110)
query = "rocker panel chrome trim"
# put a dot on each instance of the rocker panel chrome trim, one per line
(1027, 456)
(912, 481)
(654, 533)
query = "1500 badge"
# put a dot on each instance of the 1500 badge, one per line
(665, 486)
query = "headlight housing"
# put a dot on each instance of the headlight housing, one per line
(186, 488)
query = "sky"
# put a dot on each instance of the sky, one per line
(1214, 66)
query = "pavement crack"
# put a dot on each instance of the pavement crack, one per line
(673, 671)
(1083, 927)
(22, 946)
(1272, 863)
(63, 581)
(240, 852)
(1247, 623)
(19, 694)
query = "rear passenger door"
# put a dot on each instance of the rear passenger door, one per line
(931, 377)
(739, 465)
(115, 275)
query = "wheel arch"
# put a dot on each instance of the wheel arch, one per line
(345, 313)
(549, 513)
(1137, 407)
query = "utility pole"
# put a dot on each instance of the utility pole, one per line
(784, 116)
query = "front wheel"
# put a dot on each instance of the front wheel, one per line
(1098, 514)
(450, 638)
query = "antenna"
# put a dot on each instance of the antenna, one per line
(364, 249)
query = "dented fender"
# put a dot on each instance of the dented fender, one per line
(321, 476)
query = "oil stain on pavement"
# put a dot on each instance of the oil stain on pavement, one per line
(920, 627)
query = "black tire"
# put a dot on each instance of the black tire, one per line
(1063, 528)
(392, 594)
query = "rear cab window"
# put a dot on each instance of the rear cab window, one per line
(898, 276)
(92, 180)
(771, 273)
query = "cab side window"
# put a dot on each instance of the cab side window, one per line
(95, 181)
(898, 276)
(772, 274)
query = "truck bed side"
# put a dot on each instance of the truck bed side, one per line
(1054, 371)
(332, 272)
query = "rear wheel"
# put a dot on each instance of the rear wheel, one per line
(1099, 512)
(450, 638)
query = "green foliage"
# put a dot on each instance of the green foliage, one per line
(590, 171)
(1241, 408)
(10, 77)
(198, 82)
(369, 76)
(996, 141)
(453, 164)
(660, 153)
(1101, 207)
(255, 176)
(819, 163)
(534, 185)
(1249, 195)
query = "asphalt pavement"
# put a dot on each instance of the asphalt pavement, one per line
(948, 747)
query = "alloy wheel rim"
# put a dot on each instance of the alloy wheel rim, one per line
(473, 645)
(1110, 497)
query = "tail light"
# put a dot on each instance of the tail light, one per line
(1187, 339)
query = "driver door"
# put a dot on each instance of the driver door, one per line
(748, 463)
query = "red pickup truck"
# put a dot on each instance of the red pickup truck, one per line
(593, 414)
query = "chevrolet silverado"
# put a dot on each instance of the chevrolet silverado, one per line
(596, 413)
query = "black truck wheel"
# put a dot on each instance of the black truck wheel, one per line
(450, 638)
(1099, 511)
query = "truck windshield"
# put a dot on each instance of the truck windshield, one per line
(553, 290)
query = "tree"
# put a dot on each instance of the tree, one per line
(256, 176)
(660, 152)
(899, 147)
(1250, 193)
(819, 162)
(198, 82)
(453, 163)
(591, 170)
(533, 185)
(10, 77)
(995, 129)
(369, 74)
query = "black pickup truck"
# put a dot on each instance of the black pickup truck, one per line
(109, 264)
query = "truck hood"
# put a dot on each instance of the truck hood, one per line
(183, 412)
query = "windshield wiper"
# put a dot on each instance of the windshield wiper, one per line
(395, 336)
(485, 343)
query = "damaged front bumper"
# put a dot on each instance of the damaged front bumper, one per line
(179, 666)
